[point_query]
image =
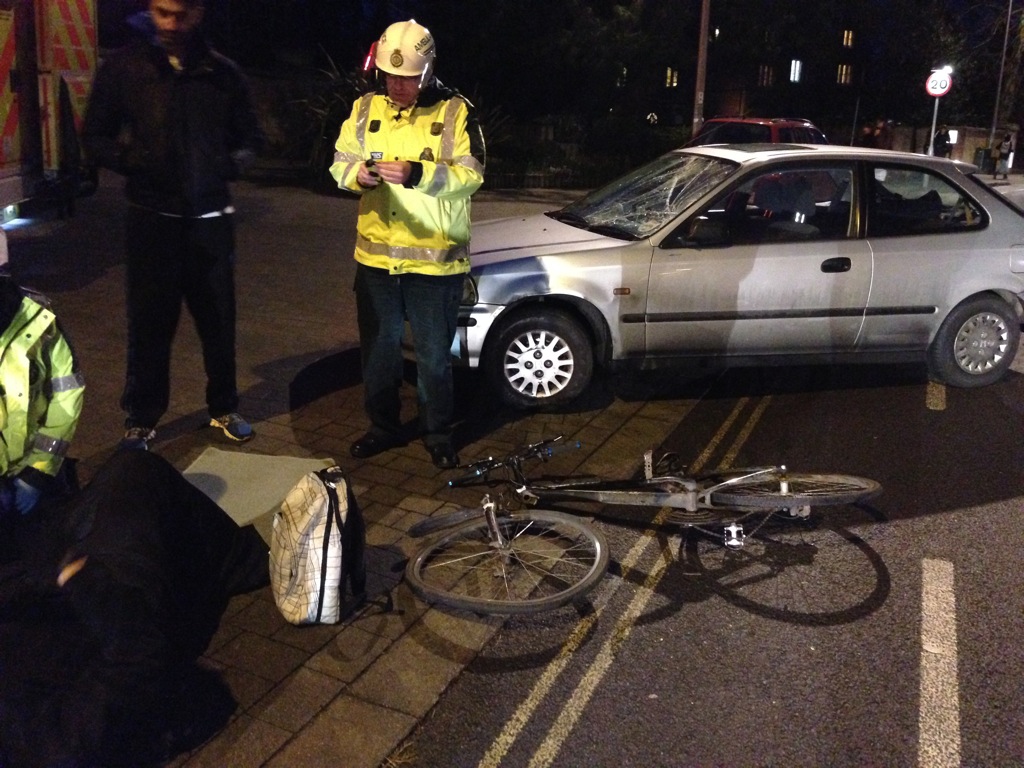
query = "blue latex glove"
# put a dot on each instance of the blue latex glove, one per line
(25, 496)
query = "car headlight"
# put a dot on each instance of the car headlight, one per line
(469, 294)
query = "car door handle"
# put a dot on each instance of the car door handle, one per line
(837, 264)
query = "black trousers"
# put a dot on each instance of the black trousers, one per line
(173, 260)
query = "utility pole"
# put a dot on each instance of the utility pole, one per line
(1002, 64)
(702, 66)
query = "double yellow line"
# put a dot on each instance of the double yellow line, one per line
(577, 702)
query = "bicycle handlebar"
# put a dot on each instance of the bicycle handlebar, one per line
(544, 450)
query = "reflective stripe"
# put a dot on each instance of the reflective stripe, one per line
(438, 182)
(67, 383)
(50, 445)
(361, 118)
(411, 253)
(448, 134)
(468, 161)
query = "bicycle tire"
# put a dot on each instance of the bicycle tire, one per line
(764, 491)
(552, 559)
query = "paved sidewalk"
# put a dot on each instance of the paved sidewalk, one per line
(345, 696)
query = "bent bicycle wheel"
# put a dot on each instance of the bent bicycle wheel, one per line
(550, 559)
(785, 490)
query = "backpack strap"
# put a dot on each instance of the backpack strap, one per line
(333, 518)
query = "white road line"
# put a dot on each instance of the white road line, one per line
(935, 397)
(548, 751)
(939, 717)
(515, 724)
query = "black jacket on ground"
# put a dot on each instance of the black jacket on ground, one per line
(177, 136)
(101, 671)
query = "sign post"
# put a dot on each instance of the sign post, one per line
(938, 84)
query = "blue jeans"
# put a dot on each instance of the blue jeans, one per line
(431, 305)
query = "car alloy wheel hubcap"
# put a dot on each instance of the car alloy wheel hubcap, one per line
(981, 343)
(538, 364)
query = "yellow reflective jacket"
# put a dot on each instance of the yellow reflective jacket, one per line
(424, 225)
(42, 393)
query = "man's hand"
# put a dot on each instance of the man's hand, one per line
(396, 172)
(368, 175)
(25, 496)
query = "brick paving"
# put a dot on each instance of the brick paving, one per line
(346, 695)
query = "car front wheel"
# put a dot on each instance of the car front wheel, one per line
(542, 358)
(975, 344)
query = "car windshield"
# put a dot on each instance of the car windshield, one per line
(640, 203)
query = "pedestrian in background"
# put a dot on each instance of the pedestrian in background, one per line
(176, 119)
(942, 144)
(413, 151)
(1001, 157)
(41, 394)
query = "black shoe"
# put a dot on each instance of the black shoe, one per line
(443, 456)
(371, 444)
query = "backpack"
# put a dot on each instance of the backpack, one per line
(317, 547)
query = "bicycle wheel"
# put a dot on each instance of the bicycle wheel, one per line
(778, 490)
(550, 559)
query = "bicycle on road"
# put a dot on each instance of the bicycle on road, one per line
(506, 556)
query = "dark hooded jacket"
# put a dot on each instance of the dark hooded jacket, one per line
(178, 136)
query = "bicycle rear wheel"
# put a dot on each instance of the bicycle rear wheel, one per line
(785, 490)
(550, 559)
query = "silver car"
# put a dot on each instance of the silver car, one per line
(751, 254)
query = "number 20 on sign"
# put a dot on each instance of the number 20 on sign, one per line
(938, 84)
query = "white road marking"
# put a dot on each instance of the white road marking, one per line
(935, 396)
(939, 716)
(548, 751)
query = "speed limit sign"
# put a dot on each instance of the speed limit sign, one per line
(938, 83)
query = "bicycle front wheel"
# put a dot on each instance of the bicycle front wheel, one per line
(786, 490)
(549, 560)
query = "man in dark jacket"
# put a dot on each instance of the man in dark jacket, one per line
(107, 599)
(177, 120)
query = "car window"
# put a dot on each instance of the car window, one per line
(640, 203)
(915, 201)
(778, 206)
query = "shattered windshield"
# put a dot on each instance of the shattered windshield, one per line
(640, 203)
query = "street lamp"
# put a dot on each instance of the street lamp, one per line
(937, 85)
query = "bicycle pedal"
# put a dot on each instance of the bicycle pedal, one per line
(733, 536)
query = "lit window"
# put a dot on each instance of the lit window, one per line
(671, 77)
(765, 76)
(847, 38)
(844, 75)
(621, 80)
(796, 67)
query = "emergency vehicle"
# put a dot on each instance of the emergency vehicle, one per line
(48, 57)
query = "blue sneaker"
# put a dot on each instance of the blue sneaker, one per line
(137, 439)
(234, 426)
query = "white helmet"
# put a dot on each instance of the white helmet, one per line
(406, 49)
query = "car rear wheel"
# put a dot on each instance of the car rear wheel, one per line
(541, 358)
(976, 343)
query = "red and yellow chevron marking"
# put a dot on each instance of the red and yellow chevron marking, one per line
(10, 131)
(66, 35)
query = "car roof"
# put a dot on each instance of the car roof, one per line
(751, 153)
(762, 120)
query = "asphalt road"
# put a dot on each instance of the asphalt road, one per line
(886, 635)
(889, 639)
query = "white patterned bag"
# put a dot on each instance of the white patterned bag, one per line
(316, 548)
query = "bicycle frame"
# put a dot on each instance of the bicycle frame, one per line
(673, 491)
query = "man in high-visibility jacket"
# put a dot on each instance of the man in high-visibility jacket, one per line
(414, 152)
(41, 393)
